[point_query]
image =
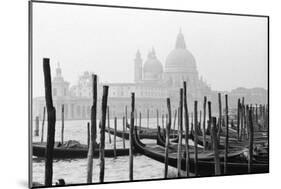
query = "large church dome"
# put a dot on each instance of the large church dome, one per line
(180, 59)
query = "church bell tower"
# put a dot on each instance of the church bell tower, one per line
(138, 68)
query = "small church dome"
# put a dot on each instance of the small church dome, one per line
(152, 64)
(152, 68)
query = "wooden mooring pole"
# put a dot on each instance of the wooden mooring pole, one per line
(257, 117)
(108, 125)
(210, 121)
(51, 117)
(88, 135)
(200, 121)
(204, 123)
(102, 132)
(114, 139)
(178, 119)
(215, 147)
(123, 133)
(179, 153)
(140, 120)
(220, 118)
(93, 131)
(186, 123)
(147, 118)
(168, 126)
(251, 141)
(260, 116)
(246, 120)
(36, 131)
(136, 117)
(242, 109)
(227, 133)
(43, 123)
(62, 124)
(266, 117)
(163, 121)
(131, 149)
(263, 116)
(126, 117)
(191, 115)
(157, 117)
(267, 122)
(175, 119)
(166, 120)
(195, 139)
(238, 119)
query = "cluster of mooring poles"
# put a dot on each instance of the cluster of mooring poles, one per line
(91, 129)
(251, 123)
(217, 136)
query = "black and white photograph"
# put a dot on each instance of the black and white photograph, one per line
(125, 94)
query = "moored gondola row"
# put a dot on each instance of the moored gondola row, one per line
(224, 145)
(227, 151)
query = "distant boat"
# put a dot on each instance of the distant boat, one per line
(78, 151)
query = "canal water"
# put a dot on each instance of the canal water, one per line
(74, 171)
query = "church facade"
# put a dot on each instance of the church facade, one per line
(152, 85)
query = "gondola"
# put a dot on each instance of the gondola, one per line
(154, 130)
(233, 142)
(232, 133)
(260, 152)
(205, 164)
(61, 152)
(143, 128)
(143, 134)
(176, 140)
(233, 154)
(208, 140)
(161, 140)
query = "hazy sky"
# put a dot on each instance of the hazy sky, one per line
(230, 51)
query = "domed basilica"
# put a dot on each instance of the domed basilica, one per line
(152, 85)
(180, 65)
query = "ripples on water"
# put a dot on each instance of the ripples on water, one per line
(74, 171)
